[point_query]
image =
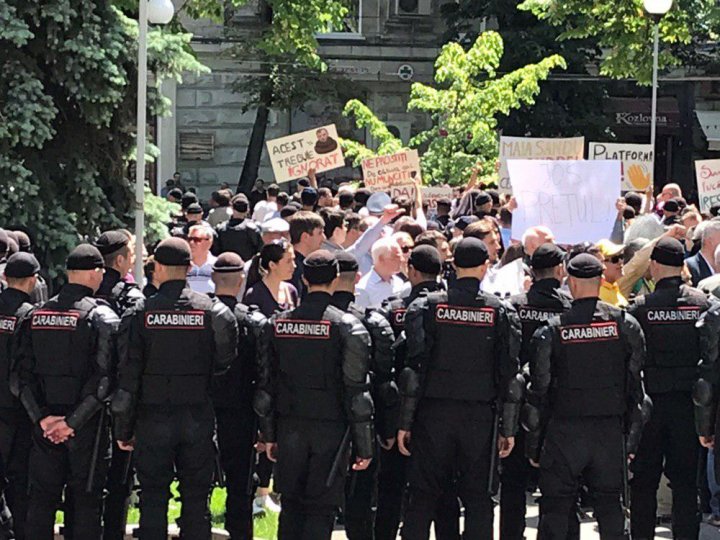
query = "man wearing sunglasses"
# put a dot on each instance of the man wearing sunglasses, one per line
(199, 276)
(611, 255)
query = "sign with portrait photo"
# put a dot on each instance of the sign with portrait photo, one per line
(294, 155)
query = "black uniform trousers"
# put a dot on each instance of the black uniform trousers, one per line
(15, 445)
(391, 498)
(67, 466)
(360, 500)
(306, 450)
(175, 441)
(516, 473)
(587, 448)
(118, 489)
(450, 440)
(236, 431)
(669, 444)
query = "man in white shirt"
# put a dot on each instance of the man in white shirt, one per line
(265, 208)
(382, 281)
(199, 276)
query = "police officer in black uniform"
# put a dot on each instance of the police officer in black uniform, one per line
(462, 372)
(706, 390)
(123, 298)
(424, 267)
(668, 444)
(21, 274)
(232, 396)
(544, 300)
(239, 234)
(176, 341)
(64, 379)
(313, 395)
(585, 395)
(361, 490)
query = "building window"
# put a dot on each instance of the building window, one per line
(351, 25)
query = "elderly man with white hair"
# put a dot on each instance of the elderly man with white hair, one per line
(535, 237)
(199, 277)
(702, 264)
(711, 285)
(382, 281)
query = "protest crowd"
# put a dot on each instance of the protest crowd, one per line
(397, 363)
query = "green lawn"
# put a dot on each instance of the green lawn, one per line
(266, 525)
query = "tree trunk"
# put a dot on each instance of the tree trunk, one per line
(253, 154)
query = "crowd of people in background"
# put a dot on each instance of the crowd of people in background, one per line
(267, 250)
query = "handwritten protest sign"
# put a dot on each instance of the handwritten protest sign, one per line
(381, 173)
(708, 182)
(507, 281)
(576, 199)
(637, 162)
(534, 148)
(432, 194)
(294, 155)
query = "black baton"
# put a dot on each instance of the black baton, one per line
(340, 458)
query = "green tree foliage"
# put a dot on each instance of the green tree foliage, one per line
(292, 71)
(67, 103)
(566, 106)
(624, 30)
(468, 96)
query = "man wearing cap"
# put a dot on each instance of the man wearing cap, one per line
(584, 398)
(239, 234)
(41, 292)
(612, 255)
(358, 513)
(123, 298)
(193, 214)
(668, 445)
(424, 267)
(460, 374)
(442, 216)
(16, 307)
(232, 395)
(309, 199)
(64, 369)
(544, 300)
(313, 395)
(162, 408)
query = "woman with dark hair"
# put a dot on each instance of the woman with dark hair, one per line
(276, 264)
(271, 293)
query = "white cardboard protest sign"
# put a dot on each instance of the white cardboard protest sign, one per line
(432, 194)
(708, 182)
(536, 148)
(294, 155)
(382, 173)
(508, 281)
(575, 199)
(637, 162)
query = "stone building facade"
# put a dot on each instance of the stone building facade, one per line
(385, 46)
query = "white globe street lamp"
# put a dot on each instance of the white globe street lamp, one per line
(656, 9)
(156, 12)
(160, 11)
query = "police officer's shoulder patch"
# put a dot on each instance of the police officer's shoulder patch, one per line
(592, 332)
(673, 315)
(464, 315)
(302, 329)
(531, 314)
(175, 320)
(48, 319)
(7, 324)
